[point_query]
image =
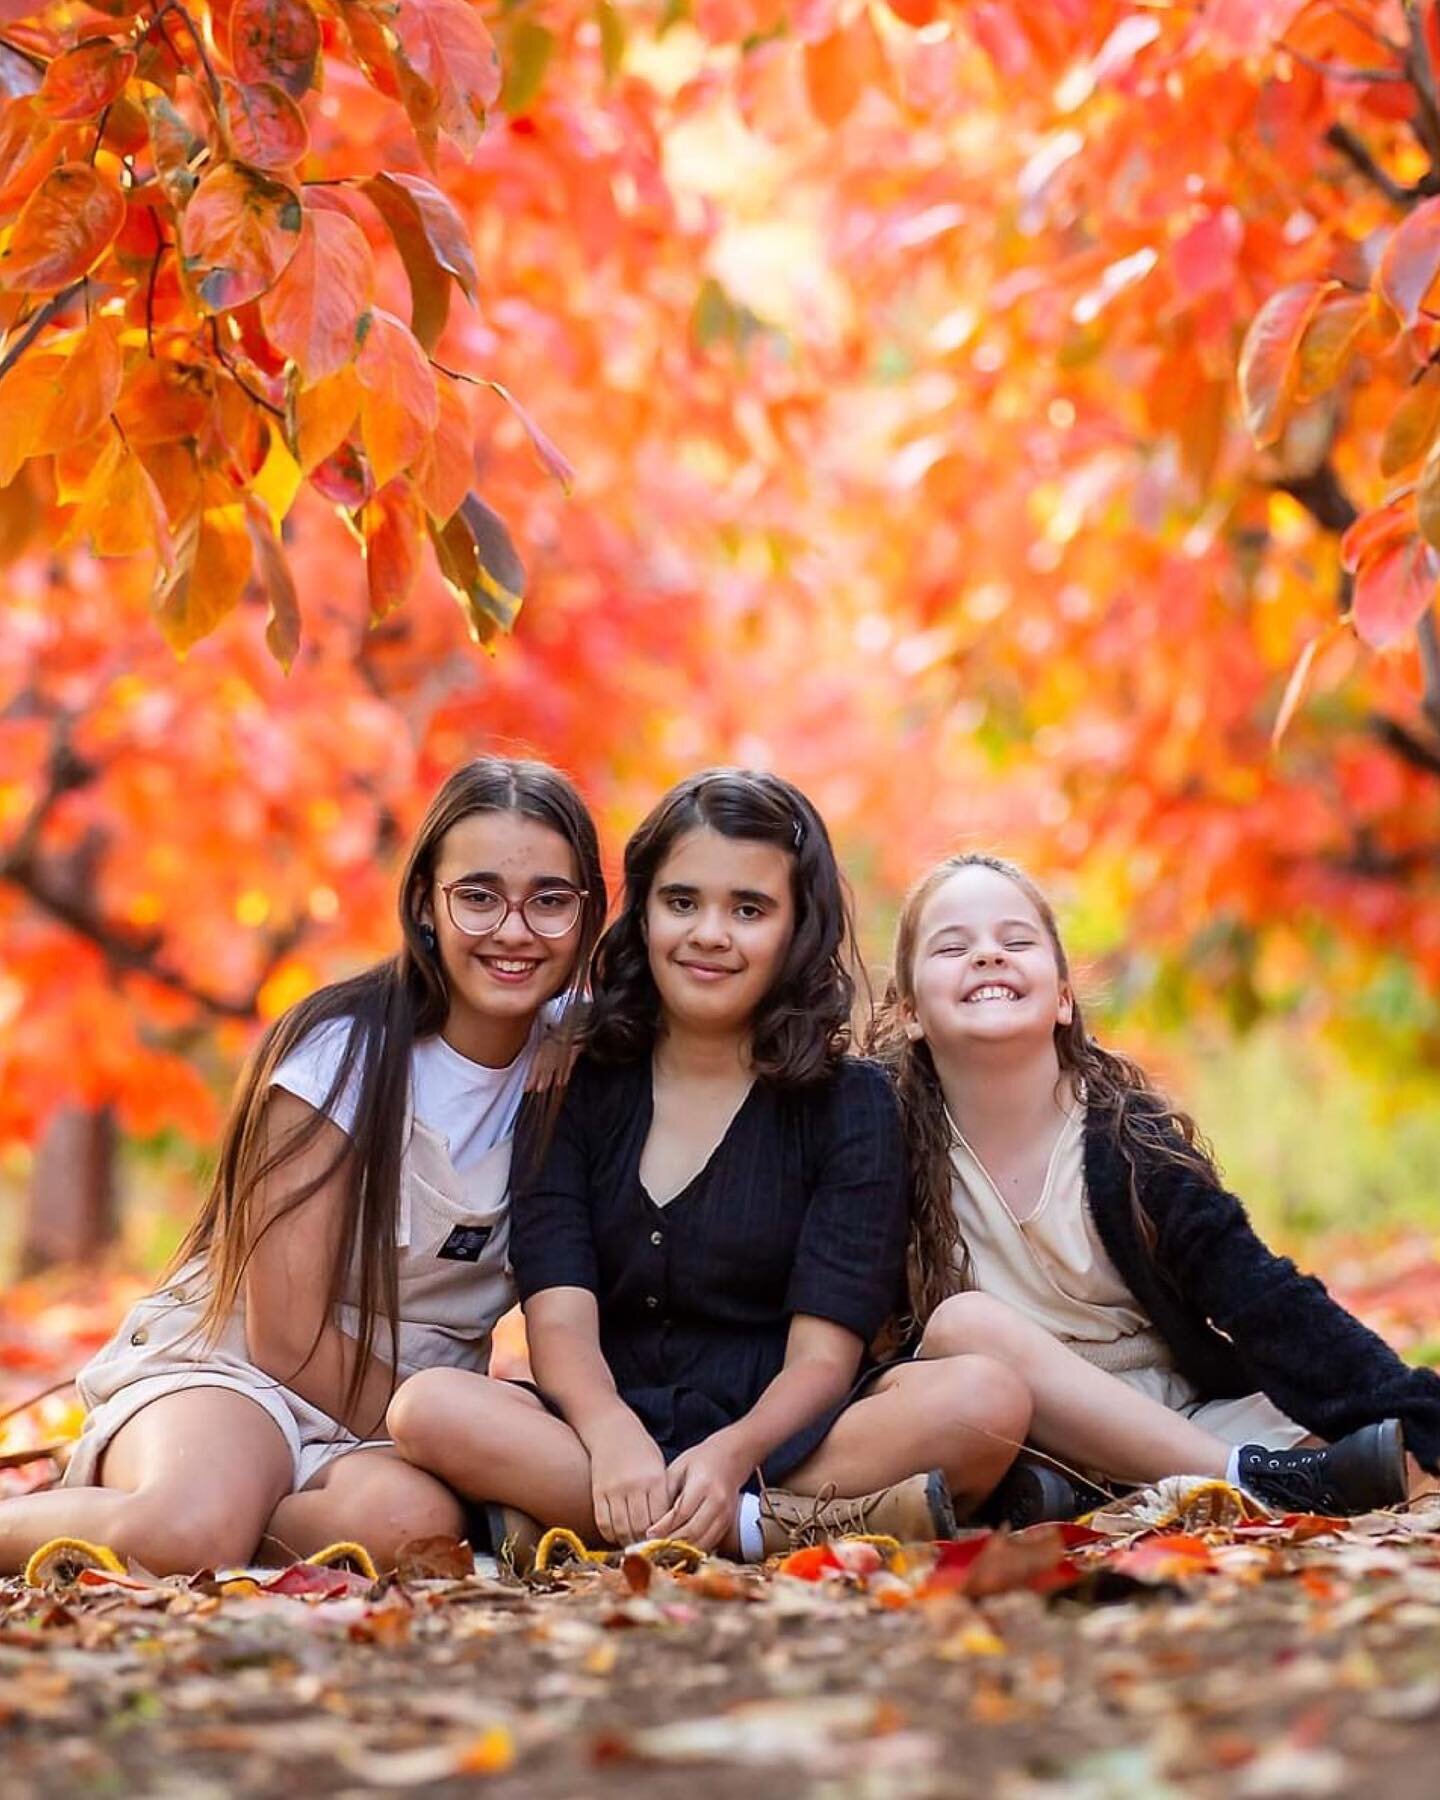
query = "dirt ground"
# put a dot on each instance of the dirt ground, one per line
(1200, 1658)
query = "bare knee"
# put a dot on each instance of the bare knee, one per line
(982, 1414)
(417, 1413)
(394, 1506)
(170, 1538)
(970, 1323)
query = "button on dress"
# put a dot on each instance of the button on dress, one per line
(801, 1208)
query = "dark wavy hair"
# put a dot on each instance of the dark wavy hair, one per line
(1141, 1122)
(802, 1026)
(390, 1005)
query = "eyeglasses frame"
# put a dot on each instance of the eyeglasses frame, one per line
(513, 906)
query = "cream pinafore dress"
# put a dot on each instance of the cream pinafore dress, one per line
(1052, 1267)
(452, 1249)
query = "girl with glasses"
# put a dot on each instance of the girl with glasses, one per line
(357, 1227)
(715, 1231)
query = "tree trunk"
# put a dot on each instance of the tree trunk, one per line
(71, 1215)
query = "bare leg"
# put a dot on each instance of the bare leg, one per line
(964, 1415)
(1082, 1415)
(491, 1440)
(371, 1497)
(188, 1484)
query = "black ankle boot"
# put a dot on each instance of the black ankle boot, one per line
(1360, 1473)
(1031, 1492)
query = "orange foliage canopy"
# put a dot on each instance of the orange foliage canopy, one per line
(197, 323)
(912, 357)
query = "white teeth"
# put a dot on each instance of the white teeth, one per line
(991, 993)
(510, 968)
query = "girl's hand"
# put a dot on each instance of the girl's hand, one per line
(628, 1491)
(705, 1488)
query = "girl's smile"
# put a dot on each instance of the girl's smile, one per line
(985, 970)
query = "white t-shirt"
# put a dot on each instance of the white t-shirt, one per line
(471, 1106)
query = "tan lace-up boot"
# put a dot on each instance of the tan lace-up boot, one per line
(914, 1511)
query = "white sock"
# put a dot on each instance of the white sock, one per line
(747, 1529)
(1232, 1468)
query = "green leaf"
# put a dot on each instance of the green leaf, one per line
(531, 47)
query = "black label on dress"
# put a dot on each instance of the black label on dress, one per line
(465, 1243)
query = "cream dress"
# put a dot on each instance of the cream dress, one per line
(453, 1270)
(1052, 1267)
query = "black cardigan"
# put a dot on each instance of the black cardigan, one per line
(1238, 1318)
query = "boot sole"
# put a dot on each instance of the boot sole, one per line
(942, 1507)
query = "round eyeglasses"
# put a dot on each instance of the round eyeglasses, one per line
(477, 911)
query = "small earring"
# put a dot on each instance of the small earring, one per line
(429, 939)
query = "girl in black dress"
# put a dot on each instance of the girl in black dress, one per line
(714, 1230)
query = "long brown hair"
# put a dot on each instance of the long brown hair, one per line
(802, 1026)
(1119, 1095)
(388, 1007)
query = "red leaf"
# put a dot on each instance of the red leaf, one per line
(810, 1564)
(447, 46)
(917, 13)
(553, 461)
(433, 244)
(394, 530)
(344, 477)
(264, 126)
(238, 234)
(82, 82)
(313, 312)
(312, 1583)
(1268, 357)
(399, 408)
(64, 228)
(1411, 261)
(1375, 531)
(275, 40)
(1394, 590)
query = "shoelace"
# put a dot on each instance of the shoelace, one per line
(850, 1518)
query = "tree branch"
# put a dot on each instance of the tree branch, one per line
(1355, 152)
(1321, 494)
(1422, 76)
(126, 951)
(55, 305)
(1401, 741)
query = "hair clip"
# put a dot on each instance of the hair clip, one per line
(799, 833)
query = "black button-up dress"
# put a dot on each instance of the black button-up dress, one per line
(802, 1208)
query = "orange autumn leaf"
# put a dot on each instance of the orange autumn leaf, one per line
(399, 408)
(86, 391)
(393, 523)
(81, 83)
(275, 40)
(264, 126)
(212, 568)
(64, 228)
(238, 234)
(321, 416)
(446, 469)
(1268, 357)
(447, 47)
(313, 312)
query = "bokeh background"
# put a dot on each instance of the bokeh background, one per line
(895, 348)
